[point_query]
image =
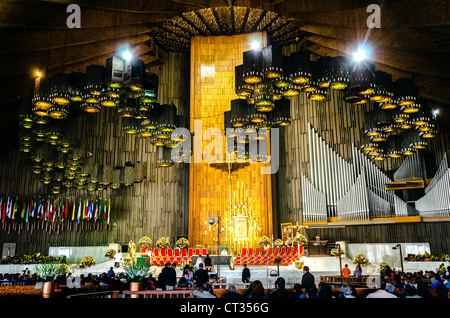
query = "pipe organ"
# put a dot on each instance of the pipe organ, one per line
(436, 201)
(347, 191)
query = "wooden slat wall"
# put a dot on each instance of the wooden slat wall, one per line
(156, 207)
(340, 124)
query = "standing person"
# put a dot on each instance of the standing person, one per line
(308, 280)
(208, 263)
(346, 271)
(117, 259)
(358, 271)
(246, 274)
(201, 276)
(169, 277)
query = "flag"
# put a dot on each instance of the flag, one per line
(8, 208)
(79, 212)
(96, 210)
(73, 211)
(14, 209)
(109, 211)
(22, 215)
(28, 210)
(67, 208)
(2, 209)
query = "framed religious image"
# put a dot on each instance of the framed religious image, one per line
(286, 231)
(240, 227)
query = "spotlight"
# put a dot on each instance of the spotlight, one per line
(255, 45)
(38, 74)
(127, 55)
(363, 53)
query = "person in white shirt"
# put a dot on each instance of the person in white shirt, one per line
(117, 259)
(198, 262)
(388, 292)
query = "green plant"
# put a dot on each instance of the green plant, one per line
(136, 272)
(49, 272)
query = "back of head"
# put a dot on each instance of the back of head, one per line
(389, 288)
(280, 283)
(346, 290)
(306, 268)
(232, 289)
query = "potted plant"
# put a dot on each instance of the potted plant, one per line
(182, 242)
(48, 273)
(361, 259)
(110, 253)
(135, 274)
(278, 242)
(383, 267)
(336, 252)
(163, 242)
(87, 261)
(264, 240)
(145, 241)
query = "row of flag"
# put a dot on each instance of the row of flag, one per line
(55, 210)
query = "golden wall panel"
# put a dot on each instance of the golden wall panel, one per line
(213, 60)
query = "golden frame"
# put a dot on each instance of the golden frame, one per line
(286, 231)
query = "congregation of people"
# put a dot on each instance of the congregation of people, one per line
(407, 285)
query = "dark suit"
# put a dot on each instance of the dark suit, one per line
(245, 275)
(168, 277)
(201, 276)
(308, 280)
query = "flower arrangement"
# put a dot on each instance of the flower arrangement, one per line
(278, 242)
(136, 272)
(163, 242)
(182, 242)
(33, 259)
(336, 252)
(427, 257)
(383, 267)
(110, 253)
(264, 240)
(145, 241)
(50, 272)
(299, 264)
(300, 239)
(87, 261)
(361, 259)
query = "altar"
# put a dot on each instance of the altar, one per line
(318, 247)
(216, 259)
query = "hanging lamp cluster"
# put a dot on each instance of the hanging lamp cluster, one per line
(62, 162)
(393, 133)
